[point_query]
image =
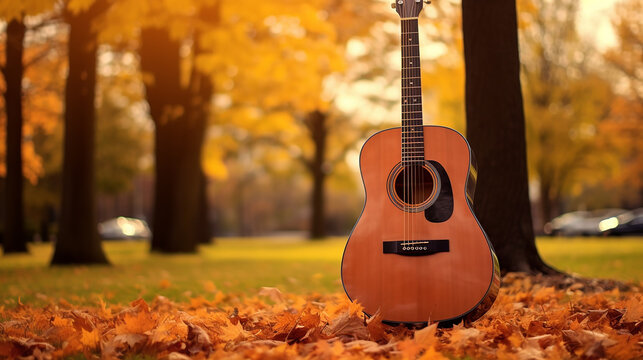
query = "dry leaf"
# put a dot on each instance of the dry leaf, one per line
(530, 320)
(273, 293)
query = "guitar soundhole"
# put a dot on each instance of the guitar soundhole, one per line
(414, 187)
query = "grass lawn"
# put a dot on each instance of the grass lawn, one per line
(236, 266)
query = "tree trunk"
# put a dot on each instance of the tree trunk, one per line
(14, 235)
(205, 236)
(316, 123)
(496, 132)
(180, 115)
(545, 201)
(78, 241)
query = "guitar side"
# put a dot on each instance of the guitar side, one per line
(460, 283)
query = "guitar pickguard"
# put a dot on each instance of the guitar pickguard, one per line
(442, 208)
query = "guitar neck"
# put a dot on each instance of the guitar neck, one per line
(412, 131)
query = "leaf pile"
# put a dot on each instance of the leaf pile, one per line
(531, 319)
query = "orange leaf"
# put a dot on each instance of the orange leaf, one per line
(90, 339)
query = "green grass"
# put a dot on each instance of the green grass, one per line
(242, 266)
(601, 257)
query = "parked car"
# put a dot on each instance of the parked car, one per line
(123, 228)
(580, 223)
(628, 223)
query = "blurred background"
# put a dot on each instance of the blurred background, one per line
(272, 101)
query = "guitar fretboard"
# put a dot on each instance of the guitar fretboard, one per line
(412, 131)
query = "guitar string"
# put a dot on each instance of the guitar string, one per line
(404, 172)
(414, 189)
(407, 167)
(404, 165)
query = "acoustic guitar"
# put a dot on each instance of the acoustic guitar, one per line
(418, 254)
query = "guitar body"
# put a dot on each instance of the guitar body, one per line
(430, 262)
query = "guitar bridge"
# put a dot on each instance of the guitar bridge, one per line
(415, 247)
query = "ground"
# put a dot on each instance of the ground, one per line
(224, 302)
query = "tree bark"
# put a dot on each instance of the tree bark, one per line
(496, 132)
(78, 241)
(317, 126)
(180, 115)
(14, 235)
(205, 236)
(545, 201)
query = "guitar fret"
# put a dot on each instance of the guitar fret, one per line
(412, 130)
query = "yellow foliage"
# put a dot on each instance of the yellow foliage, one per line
(213, 164)
(77, 6)
(17, 9)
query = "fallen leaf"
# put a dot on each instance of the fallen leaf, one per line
(273, 293)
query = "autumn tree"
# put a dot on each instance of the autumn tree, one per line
(303, 48)
(14, 237)
(496, 131)
(627, 54)
(565, 101)
(18, 165)
(350, 20)
(180, 108)
(121, 140)
(624, 123)
(78, 240)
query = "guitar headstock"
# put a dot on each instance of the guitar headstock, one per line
(408, 8)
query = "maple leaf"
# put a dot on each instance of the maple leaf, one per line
(376, 328)
(168, 330)
(426, 337)
(330, 327)
(585, 343)
(273, 293)
(544, 295)
(284, 322)
(140, 305)
(90, 339)
(24, 347)
(198, 339)
(536, 328)
(634, 310)
(231, 332)
(137, 324)
(460, 336)
(123, 343)
(83, 320)
(348, 325)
